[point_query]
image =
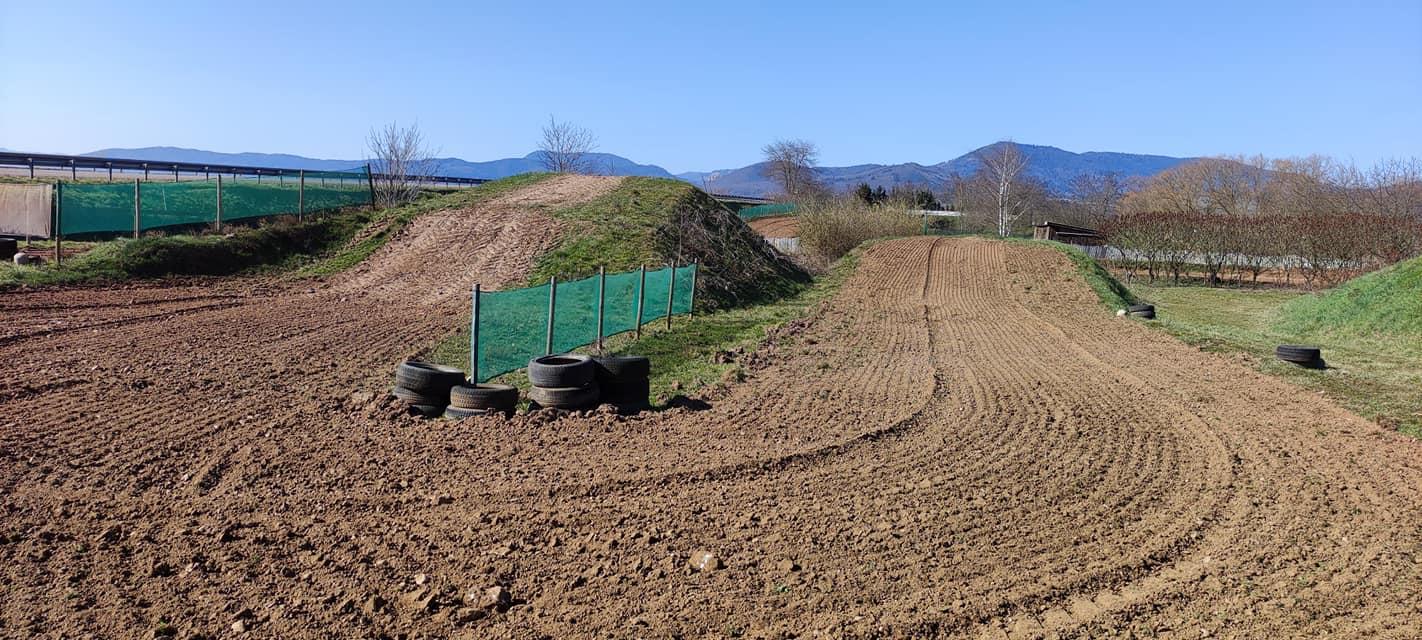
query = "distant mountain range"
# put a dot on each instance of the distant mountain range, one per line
(1055, 167)
(605, 163)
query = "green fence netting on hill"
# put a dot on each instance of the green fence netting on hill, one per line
(109, 207)
(766, 210)
(513, 324)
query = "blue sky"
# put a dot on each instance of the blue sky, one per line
(703, 86)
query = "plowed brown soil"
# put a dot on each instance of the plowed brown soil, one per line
(962, 442)
(777, 226)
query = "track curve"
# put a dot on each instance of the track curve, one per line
(960, 443)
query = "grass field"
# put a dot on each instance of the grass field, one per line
(1377, 375)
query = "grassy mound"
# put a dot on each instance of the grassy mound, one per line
(653, 221)
(1385, 305)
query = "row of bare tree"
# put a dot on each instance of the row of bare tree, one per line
(404, 161)
(1320, 249)
(1313, 217)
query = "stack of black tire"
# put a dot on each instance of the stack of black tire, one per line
(468, 400)
(563, 381)
(1146, 311)
(425, 386)
(624, 381)
(1302, 355)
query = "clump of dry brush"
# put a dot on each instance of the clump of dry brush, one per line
(832, 226)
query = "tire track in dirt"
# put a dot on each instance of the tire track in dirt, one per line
(960, 443)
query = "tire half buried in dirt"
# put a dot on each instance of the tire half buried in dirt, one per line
(494, 397)
(1303, 355)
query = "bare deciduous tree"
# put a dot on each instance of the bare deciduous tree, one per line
(1002, 183)
(400, 161)
(791, 164)
(565, 147)
(1097, 196)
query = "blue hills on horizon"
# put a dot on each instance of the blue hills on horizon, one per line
(1055, 167)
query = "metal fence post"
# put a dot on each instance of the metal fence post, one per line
(641, 293)
(474, 340)
(137, 207)
(671, 292)
(301, 195)
(601, 297)
(552, 302)
(219, 204)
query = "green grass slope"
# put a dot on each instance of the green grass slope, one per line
(653, 221)
(1380, 307)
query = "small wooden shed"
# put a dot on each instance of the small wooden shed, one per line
(1067, 234)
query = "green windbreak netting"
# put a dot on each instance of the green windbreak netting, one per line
(108, 208)
(764, 210)
(513, 324)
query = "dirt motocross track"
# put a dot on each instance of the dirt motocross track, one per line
(962, 442)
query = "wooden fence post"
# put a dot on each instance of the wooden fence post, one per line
(671, 292)
(58, 224)
(137, 207)
(301, 195)
(370, 179)
(601, 297)
(474, 340)
(219, 204)
(691, 304)
(641, 293)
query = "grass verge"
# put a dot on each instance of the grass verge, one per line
(1373, 378)
(685, 357)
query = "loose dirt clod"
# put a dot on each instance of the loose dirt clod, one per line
(705, 561)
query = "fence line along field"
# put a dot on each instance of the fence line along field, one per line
(981, 451)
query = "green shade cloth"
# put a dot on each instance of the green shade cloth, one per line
(764, 210)
(108, 207)
(513, 324)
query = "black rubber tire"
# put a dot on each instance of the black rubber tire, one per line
(8, 248)
(484, 396)
(1302, 354)
(460, 413)
(627, 392)
(427, 410)
(431, 379)
(566, 397)
(1148, 314)
(1140, 307)
(615, 369)
(561, 371)
(409, 396)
